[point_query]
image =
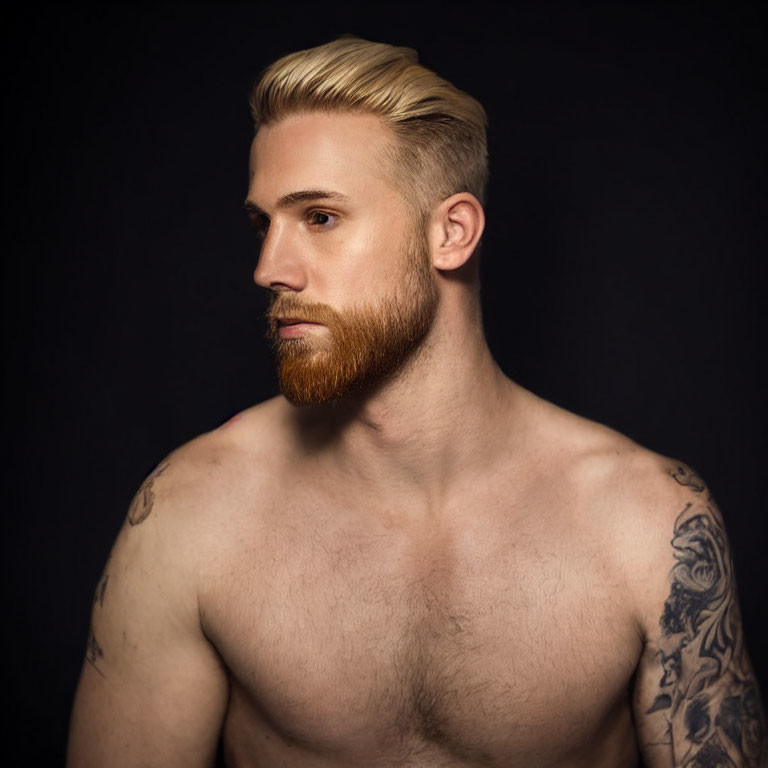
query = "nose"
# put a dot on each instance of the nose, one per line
(280, 267)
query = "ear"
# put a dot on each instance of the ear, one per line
(455, 229)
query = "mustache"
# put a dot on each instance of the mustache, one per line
(284, 307)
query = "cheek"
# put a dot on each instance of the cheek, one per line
(361, 267)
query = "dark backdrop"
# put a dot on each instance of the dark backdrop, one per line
(623, 276)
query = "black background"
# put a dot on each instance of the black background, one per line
(623, 277)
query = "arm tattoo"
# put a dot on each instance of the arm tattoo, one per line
(708, 692)
(101, 589)
(144, 499)
(138, 512)
(93, 652)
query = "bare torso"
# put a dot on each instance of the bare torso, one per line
(496, 630)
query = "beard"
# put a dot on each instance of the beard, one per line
(364, 346)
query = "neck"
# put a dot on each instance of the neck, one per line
(441, 420)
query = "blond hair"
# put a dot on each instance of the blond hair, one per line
(440, 143)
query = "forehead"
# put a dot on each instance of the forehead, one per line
(343, 152)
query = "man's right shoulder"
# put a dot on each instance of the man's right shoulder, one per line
(204, 479)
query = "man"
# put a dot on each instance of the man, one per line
(406, 559)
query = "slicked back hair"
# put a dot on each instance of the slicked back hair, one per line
(439, 142)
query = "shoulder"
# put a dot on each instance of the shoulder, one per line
(613, 477)
(617, 480)
(633, 502)
(651, 513)
(181, 520)
(191, 499)
(207, 472)
(660, 534)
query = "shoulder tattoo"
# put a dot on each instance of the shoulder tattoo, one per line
(144, 500)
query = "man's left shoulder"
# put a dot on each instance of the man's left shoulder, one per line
(626, 496)
(644, 504)
(635, 499)
(629, 485)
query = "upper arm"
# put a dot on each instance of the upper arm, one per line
(696, 699)
(152, 689)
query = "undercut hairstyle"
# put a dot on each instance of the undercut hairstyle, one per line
(439, 142)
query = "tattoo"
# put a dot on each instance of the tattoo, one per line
(708, 692)
(101, 588)
(93, 653)
(144, 499)
(689, 478)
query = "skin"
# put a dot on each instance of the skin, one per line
(448, 571)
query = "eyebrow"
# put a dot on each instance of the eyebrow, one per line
(293, 198)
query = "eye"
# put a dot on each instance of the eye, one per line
(321, 219)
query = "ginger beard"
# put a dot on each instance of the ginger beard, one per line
(363, 345)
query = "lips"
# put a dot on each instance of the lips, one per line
(294, 327)
(292, 321)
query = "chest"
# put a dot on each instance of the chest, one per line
(482, 640)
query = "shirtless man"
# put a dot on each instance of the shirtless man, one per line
(407, 559)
